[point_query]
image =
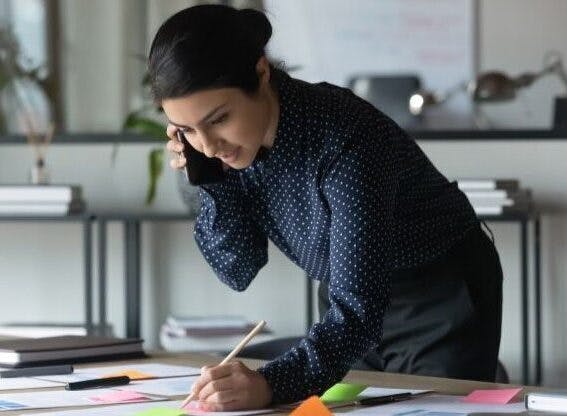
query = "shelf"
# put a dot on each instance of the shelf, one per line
(421, 135)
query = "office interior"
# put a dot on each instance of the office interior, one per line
(96, 50)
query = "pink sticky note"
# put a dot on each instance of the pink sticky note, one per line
(194, 408)
(499, 396)
(119, 397)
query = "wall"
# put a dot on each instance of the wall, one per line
(40, 264)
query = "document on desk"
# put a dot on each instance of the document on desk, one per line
(430, 405)
(51, 399)
(148, 409)
(25, 383)
(134, 371)
(382, 391)
(169, 387)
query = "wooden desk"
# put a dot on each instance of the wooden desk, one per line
(371, 378)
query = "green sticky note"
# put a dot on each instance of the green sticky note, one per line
(162, 411)
(342, 392)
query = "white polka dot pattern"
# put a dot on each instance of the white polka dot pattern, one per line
(347, 196)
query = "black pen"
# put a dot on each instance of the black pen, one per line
(391, 398)
(51, 370)
(374, 401)
(98, 383)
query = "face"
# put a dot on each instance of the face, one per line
(226, 122)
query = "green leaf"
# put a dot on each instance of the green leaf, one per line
(145, 126)
(155, 165)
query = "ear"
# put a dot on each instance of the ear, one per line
(263, 70)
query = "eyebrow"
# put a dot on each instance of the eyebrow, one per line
(209, 115)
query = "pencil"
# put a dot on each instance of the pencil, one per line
(232, 354)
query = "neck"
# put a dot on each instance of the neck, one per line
(273, 105)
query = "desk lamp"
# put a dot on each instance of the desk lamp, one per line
(495, 86)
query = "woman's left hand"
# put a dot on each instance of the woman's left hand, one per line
(231, 386)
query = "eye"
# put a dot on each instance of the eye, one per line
(220, 119)
(187, 131)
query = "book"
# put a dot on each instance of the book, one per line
(207, 322)
(488, 184)
(497, 194)
(39, 330)
(173, 342)
(67, 349)
(499, 202)
(45, 209)
(495, 210)
(40, 193)
(546, 401)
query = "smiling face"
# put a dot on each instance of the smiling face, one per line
(227, 123)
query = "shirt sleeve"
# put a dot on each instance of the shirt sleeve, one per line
(359, 189)
(231, 242)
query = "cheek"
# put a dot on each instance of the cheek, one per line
(250, 129)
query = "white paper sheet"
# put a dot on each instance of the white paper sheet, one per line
(379, 391)
(133, 409)
(168, 387)
(25, 383)
(155, 370)
(50, 399)
(433, 405)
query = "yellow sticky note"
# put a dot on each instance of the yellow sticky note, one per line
(313, 406)
(133, 374)
(342, 392)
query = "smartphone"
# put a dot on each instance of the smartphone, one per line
(200, 169)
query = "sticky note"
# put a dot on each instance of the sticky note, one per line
(133, 374)
(162, 411)
(313, 406)
(118, 397)
(342, 392)
(194, 408)
(498, 396)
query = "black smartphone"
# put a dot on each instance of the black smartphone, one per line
(200, 169)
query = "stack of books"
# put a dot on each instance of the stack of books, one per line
(38, 200)
(496, 196)
(67, 349)
(207, 334)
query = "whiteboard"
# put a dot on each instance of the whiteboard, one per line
(332, 40)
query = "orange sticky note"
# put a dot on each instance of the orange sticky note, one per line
(498, 396)
(313, 406)
(133, 374)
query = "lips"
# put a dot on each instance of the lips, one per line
(229, 157)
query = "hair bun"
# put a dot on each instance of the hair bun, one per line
(257, 26)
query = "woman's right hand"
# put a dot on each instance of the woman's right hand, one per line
(175, 147)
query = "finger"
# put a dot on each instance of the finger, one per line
(221, 407)
(178, 162)
(200, 382)
(196, 388)
(174, 146)
(220, 397)
(215, 386)
(171, 131)
(216, 372)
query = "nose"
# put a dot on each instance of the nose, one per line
(209, 145)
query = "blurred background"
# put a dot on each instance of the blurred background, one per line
(79, 66)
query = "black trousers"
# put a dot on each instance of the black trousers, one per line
(445, 317)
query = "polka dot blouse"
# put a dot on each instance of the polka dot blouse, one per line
(348, 197)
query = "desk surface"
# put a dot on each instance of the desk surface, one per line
(371, 378)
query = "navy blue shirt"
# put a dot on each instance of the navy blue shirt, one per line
(348, 197)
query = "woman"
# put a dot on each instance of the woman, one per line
(408, 278)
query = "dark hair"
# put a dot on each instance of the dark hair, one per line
(207, 46)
